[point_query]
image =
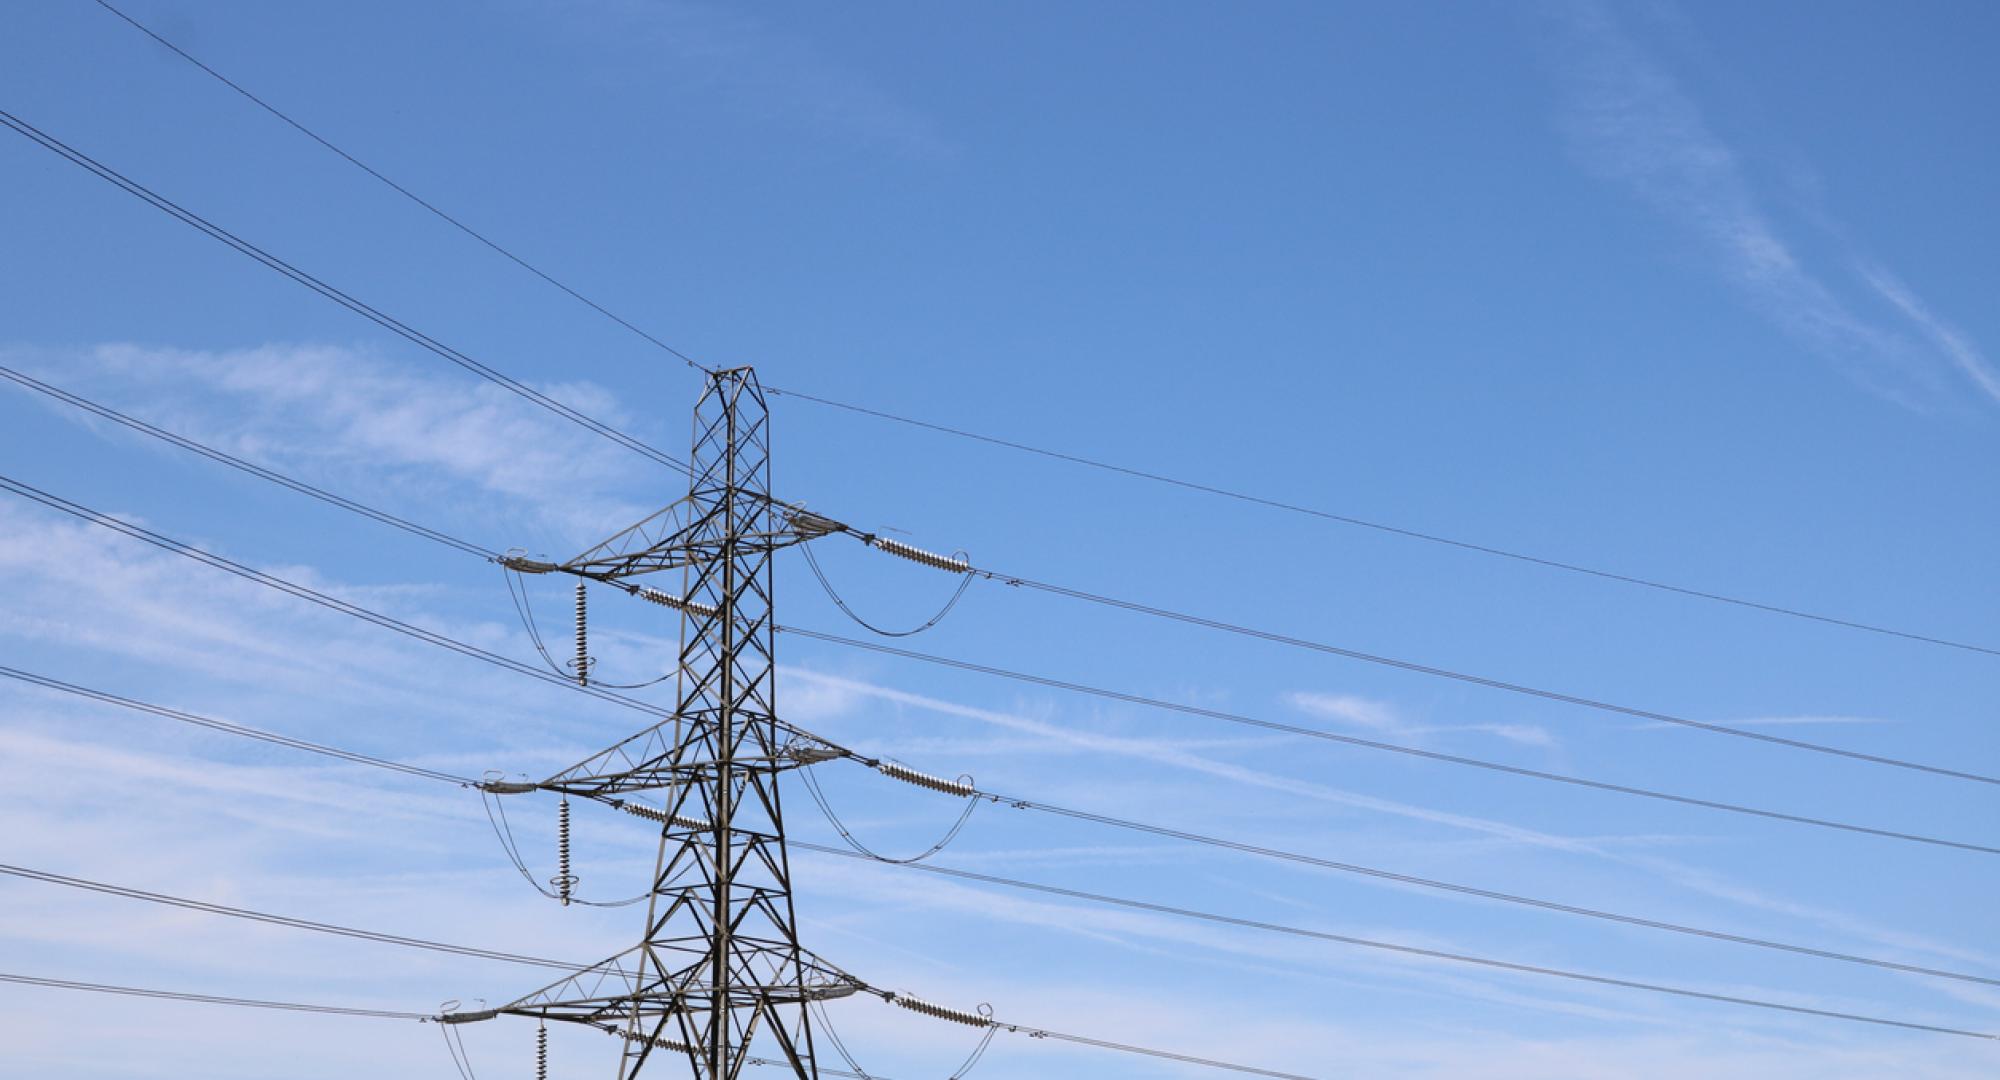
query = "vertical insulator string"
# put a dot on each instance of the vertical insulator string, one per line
(564, 879)
(542, 1052)
(582, 639)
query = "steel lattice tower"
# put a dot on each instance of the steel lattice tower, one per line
(720, 964)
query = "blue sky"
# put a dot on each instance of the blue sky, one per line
(1697, 293)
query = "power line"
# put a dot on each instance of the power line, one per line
(164, 899)
(158, 540)
(400, 189)
(257, 1003)
(234, 462)
(387, 322)
(1374, 744)
(438, 536)
(1214, 624)
(387, 1014)
(47, 877)
(1393, 530)
(1057, 455)
(1408, 950)
(1476, 680)
(145, 194)
(1170, 833)
(209, 999)
(1890, 965)
(301, 591)
(1019, 803)
(232, 729)
(431, 637)
(1144, 1051)
(1356, 869)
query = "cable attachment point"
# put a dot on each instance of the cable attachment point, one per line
(521, 564)
(810, 526)
(961, 787)
(832, 991)
(564, 881)
(812, 753)
(981, 1019)
(678, 603)
(955, 564)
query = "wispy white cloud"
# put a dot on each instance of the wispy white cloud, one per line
(1631, 121)
(1382, 717)
(1349, 709)
(341, 415)
(1952, 343)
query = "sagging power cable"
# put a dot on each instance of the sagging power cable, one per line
(1379, 874)
(1237, 495)
(663, 598)
(1488, 682)
(819, 574)
(1418, 752)
(1482, 961)
(877, 763)
(416, 337)
(847, 836)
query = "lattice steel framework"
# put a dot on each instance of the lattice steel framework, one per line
(720, 966)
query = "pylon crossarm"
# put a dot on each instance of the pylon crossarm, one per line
(666, 540)
(646, 761)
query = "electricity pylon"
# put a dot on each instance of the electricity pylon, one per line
(720, 965)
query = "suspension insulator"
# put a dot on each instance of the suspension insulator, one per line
(956, 564)
(582, 639)
(649, 1040)
(664, 818)
(542, 1052)
(941, 1012)
(678, 603)
(924, 780)
(564, 881)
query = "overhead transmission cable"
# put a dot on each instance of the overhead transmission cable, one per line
(380, 318)
(208, 999)
(819, 798)
(168, 900)
(1056, 455)
(1376, 873)
(984, 1020)
(363, 759)
(389, 1014)
(1488, 682)
(1376, 744)
(1394, 530)
(398, 188)
(165, 543)
(469, 547)
(232, 729)
(1889, 965)
(1407, 950)
(826, 586)
(55, 146)
(234, 462)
